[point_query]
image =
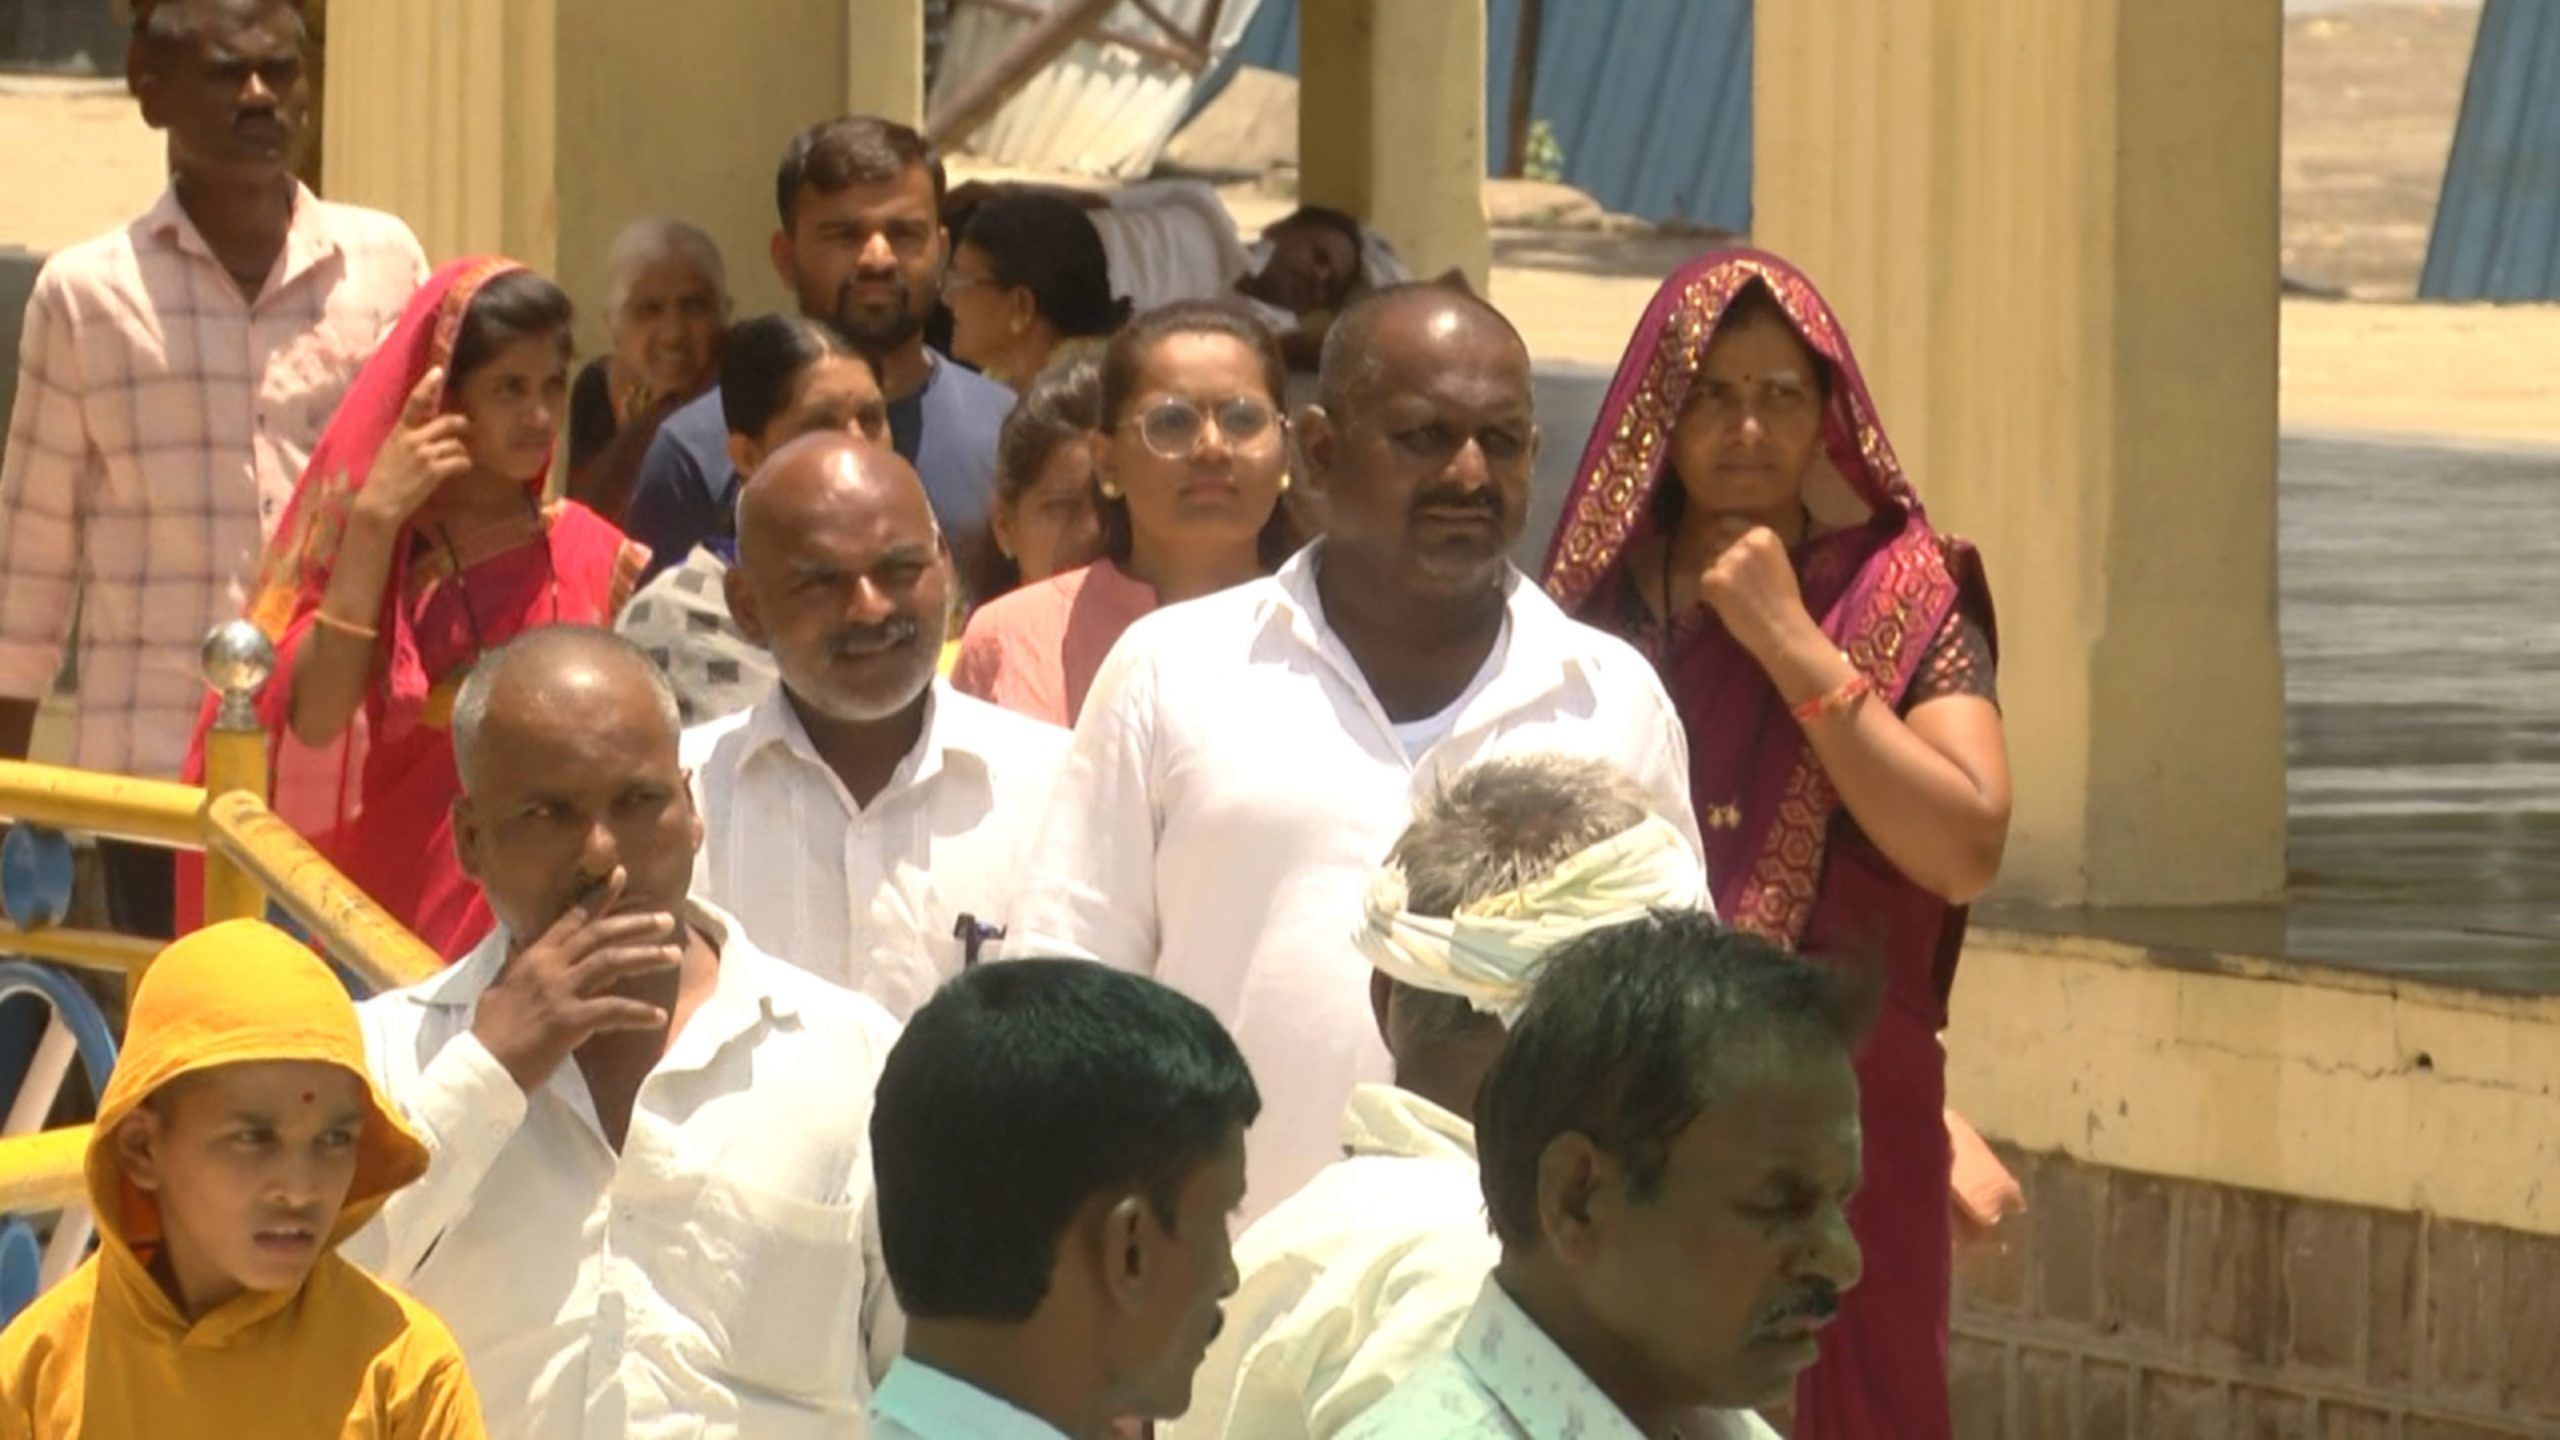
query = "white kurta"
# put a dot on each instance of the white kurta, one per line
(869, 896)
(1349, 1285)
(1232, 786)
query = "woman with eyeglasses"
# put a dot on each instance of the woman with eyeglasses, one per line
(1189, 465)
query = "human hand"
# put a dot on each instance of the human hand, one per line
(417, 458)
(555, 993)
(1751, 585)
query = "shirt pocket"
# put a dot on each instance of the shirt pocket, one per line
(780, 1283)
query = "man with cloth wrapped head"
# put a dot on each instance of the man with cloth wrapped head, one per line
(1353, 1281)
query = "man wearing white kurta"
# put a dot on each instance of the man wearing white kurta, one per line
(651, 1211)
(1350, 1284)
(866, 819)
(1245, 760)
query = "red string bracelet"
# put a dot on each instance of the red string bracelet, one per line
(1851, 690)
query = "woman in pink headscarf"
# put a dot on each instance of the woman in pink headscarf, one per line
(1740, 516)
(419, 538)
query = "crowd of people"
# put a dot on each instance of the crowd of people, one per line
(999, 877)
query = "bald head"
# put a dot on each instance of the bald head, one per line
(556, 669)
(823, 476)
(1418, 324)
(841, 575)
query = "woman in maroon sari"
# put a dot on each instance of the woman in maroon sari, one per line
(1834, 676)
(418, 539)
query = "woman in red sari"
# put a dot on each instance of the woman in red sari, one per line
(1834, 675)
(418, 538)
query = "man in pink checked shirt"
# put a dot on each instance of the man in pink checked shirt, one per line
(173, 376)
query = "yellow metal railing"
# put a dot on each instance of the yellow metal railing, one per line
(250, 856)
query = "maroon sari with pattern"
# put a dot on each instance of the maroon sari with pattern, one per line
(1784, 857)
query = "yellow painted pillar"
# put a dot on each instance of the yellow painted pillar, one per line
(2051, 231)
(539, 128)
(884, 59)
(1391, 125)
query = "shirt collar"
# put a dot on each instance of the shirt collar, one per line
(917, 1397)
(1530, 1377)
(1390, 1120)
(948, 735)
(308, 239)
(1544, 650)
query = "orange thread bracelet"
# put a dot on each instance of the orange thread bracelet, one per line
(1851, 690)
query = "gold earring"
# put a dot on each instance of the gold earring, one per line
(1109, 490)
(1284, 482)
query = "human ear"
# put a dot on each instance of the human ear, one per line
(1572, 1171)
(138, 1149)
(1317, 440)
(466, 837)
(742, 607)
(1127, 1227)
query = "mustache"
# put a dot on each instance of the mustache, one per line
(1450, 497)
(856, 641)
(1815, 1300)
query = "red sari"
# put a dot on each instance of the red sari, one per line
(378, 800)
(1785, 858)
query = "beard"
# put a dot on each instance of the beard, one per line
(873, 333)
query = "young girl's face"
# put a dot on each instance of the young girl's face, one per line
(516, 402)
(249, 1165)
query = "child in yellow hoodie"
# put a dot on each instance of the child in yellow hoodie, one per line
(239, 1141)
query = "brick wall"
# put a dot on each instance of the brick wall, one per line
(2124, 1305)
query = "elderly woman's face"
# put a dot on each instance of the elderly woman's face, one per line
(668, 330)
(1747, 438)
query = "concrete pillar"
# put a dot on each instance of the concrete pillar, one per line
(1391, 125)
(884, 59)
(2051, 232)
(538, 128)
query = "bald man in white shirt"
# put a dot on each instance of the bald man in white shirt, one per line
(1243, 760)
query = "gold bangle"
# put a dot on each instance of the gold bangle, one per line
(327, 621)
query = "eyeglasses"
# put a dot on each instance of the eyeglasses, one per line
(1171, 429)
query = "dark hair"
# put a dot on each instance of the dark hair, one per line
(1047, 245)
(1323, 217)
(1754, 304)
(1625, 1037)
(1127, 356)
(1018, 1093)
(159, 25)
(761, 362)
(847, 151)
(512, 306)
(1064, 403)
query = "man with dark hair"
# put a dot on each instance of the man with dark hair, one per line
(1244, 759)
(1356, 1279)
(174, 375)
(1669, 1142)
(650, 1209)
(1315, 262)
(1060, 1149)
(861, 245)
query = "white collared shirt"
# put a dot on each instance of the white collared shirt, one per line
(1234, 784)
(1349, 1285)
(918, 1402)
(721, 1275)
(869, 896)
(1504, 1378)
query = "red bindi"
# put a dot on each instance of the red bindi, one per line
(308, 1097)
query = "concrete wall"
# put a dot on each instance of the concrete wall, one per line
(2051, 233)
(2263, 1200)
(538, 128)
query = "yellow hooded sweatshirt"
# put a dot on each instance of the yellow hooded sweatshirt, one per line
(107, 1355)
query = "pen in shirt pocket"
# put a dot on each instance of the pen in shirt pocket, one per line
(973, 935)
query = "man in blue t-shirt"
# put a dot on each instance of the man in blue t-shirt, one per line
(862, 246)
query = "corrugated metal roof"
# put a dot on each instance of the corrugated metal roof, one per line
(1650, 101)
(2497, 231)
(1100, 108)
